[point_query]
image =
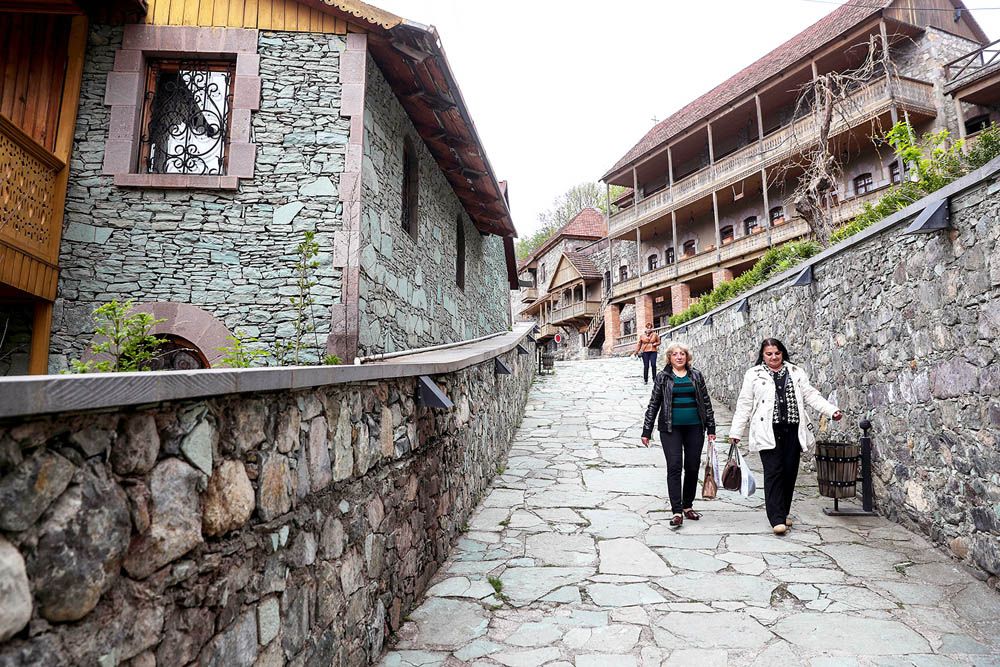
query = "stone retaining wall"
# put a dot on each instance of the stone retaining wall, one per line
(905, 328)
(289, 527)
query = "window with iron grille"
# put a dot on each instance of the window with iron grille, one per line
(690, 248)
(186, 117)
(863, 184)
(623, 273)
(777, 215)
(668, 256)
(727, 233)
(653, 262)
(749, 225)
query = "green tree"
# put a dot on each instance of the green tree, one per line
(562, 210)
(123, 335)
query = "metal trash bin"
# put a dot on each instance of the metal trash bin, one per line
(837, 468)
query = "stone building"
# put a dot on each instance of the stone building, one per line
(564, 283)
(211, 137)
(709, 187)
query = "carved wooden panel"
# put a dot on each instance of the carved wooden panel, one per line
(27, 186)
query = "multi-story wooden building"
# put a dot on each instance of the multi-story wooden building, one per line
(42, 47)
(211, 135)
(709, 186)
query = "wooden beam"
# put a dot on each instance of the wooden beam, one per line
(41, 332)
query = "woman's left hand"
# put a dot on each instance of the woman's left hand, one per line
(711, 437)
(838, 415)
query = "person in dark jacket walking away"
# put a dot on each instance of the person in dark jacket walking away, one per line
(681, 400)
(647, 345)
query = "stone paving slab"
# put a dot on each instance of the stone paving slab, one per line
(569, 562)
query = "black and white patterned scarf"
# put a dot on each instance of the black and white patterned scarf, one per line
(786, 408)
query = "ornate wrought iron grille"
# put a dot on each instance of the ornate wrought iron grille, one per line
(186, 117)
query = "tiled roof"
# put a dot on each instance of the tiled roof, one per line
(584, 265)
(587, 224)
(812, 38)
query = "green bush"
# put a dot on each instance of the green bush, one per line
(125, 337)
(772, 263)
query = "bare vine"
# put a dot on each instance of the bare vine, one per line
(829, 99)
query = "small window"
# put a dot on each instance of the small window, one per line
(628, 328)
(460, 253)
(541, 275)
(977, 123)
(776, 215)
(607, 280)
(186, 117)
(895, 173)
(690, 248)
(623, 273)
(410, 190)
(653, 262)
(668, 256)
(750, 225)
(863, 184)
(727, 234)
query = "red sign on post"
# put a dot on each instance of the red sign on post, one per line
(558, 338)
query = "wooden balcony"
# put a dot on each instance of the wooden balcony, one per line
(573, 314)
(547, 330)
(865, 104)
(529, 294)
(29, 212)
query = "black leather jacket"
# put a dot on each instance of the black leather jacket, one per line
(662, 401)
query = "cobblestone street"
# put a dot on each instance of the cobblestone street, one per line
(569, 561)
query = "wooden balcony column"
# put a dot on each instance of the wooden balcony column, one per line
(893, 114)
(41, 331)
(670, 170)
(763, 171)
(718, 234)
(673, 231)
(635, 187)
(638, 250)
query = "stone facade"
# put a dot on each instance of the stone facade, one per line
(408, 296)
(293, 527)
(904, 330)
(229, 253)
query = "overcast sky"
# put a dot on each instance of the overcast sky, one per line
(561, 89)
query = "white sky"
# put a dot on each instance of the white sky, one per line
(561, 89)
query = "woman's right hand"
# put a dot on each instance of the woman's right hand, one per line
(645, 442)
(734, 441)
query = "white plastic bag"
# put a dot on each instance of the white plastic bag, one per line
(713, 457)
(748, 485)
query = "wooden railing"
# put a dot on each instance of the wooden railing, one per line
(547, 330)
(29, 248)
(973, 63)
(529, 294)
(579, 309)
(860, 107)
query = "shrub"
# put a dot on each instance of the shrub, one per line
(124, 336)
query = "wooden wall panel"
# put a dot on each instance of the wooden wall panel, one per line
(286, 15)
(32, 71)
(937, 13)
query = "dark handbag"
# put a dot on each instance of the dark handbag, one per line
(732, 477)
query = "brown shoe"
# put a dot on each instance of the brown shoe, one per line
(676, 520)
(779, 529)
(691, 514)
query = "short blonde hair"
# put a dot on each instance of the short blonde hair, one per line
(677, 345)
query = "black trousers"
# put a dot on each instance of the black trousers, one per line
(648, 365)
(781, 468)
(682, 449)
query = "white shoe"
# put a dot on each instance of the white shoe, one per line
(780, 529)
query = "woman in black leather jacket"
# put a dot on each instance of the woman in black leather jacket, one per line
(681, 400)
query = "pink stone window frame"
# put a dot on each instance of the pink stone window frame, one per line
(127, 86)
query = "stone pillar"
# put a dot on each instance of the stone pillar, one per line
(612, 326)
(720, 276)
(643, 311)
(680, 297)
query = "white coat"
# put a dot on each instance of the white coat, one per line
(755, 407)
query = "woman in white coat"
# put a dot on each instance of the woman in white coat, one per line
(772, 405)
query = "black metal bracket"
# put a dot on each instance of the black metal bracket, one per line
(744, 306)
(521, 350)
(707, 322)
(430, 395)
(804, 278)
(500, 368)
(932, 219)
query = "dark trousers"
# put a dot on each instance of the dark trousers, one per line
(781, 467)
(648, 365)
(682, 449)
